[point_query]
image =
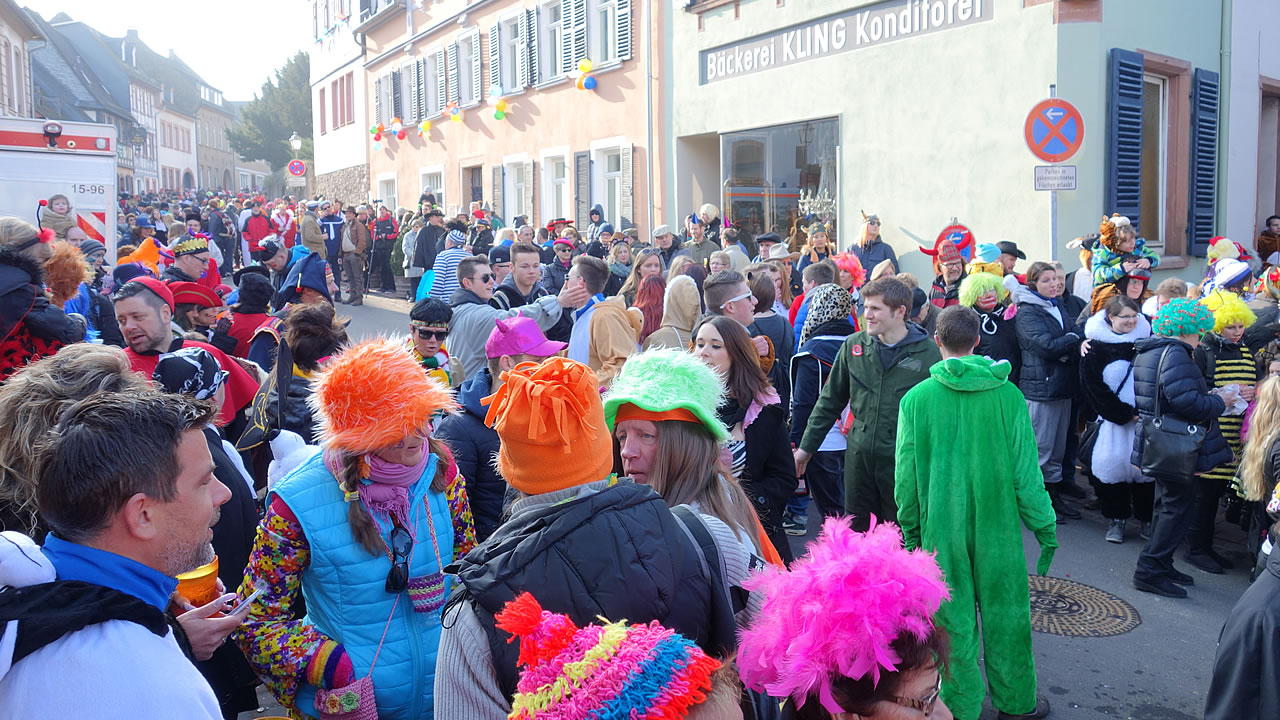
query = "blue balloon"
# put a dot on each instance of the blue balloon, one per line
(590, 83)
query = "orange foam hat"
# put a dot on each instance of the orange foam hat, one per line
(373, 395)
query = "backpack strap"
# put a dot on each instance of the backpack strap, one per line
(724, 605)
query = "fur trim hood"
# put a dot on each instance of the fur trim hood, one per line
(1097, 328)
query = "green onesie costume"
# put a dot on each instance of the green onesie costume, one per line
(967, 472)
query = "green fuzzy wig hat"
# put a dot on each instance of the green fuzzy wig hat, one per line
(975, 285)
(663, 380)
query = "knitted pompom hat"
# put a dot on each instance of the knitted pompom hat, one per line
(1228, 309)
(549, 419)
(372, 395)
(1182, 316)
(837, 611)
(666, 382)
(606, 672)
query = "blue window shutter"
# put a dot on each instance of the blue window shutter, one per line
(1204, 160)
(1123, 191)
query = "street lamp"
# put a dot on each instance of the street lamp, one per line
(295, 142)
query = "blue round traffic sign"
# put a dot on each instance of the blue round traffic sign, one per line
(1054, 130)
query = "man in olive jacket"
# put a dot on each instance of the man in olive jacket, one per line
(872, 371)
(313, 236)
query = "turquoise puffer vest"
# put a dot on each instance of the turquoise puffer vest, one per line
(344, 587)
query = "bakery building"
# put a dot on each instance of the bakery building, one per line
(917, 110)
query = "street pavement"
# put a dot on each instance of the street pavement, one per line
(1158, 671)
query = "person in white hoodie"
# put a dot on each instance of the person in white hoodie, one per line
(125, 483)
(1106, 378)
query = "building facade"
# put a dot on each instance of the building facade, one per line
(918, 110)
(340, 167)
(213, 150)
(18, 36)
(526, 140)
(176, 134)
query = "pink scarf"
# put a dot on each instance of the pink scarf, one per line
(385, 493)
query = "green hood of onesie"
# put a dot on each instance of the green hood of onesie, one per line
(971, 373)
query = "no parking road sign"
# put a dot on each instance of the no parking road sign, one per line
(297, 168)
(1054, 130)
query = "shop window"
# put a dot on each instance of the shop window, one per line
(766, 171)
(555, 188)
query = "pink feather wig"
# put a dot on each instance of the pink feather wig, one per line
(850, 263)
(837, 612)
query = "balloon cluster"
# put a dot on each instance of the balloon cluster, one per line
(583, 79)
(376, 131)
(501, 108)
(453, 111)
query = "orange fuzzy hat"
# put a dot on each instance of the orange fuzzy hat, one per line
(551, 423)
(373, 395)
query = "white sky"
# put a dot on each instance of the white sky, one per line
(235, 45)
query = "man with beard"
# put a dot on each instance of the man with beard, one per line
(126, 485)
(144, 309)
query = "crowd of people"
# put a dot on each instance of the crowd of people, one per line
(571, 490)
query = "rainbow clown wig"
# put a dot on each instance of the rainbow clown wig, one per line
(978, 284)
(837, 613)
(1228, 309)
(612, 671)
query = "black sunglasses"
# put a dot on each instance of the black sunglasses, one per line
(401, 549)
(426, 334)
(485, 277)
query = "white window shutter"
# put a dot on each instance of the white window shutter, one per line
(579, 33)
(476, 65)
(522, 51)
(441, 81)
(533, 23)
(495, 58)
(566, 59)
(628, 204)
(452, 52)
(377, 102)
(526, 194)
(624, 29)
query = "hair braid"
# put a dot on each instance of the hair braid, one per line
(362, 524)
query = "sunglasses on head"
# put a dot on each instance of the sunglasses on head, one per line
(427, 334)
(401, 548)
(743, 296)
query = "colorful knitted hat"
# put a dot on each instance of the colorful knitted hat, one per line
(1182, 316)
(549, 419)
(613, 671)
(1225, 274)
(837, 612)
(978, 284)
(1227, 309)
(664, 384)
(374, 394)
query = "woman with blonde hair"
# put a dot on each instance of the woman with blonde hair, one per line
(710, 216)
(31, 402)
(619, 260)
(677, 266)
(818, 248)
(646, 262)
(1260, 465)
(872, 250)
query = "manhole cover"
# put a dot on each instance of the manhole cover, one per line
(1066, 607)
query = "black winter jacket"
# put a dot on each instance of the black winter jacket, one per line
(1183, 394)
(809, 370)
(1243, 686)
(616, 553)
(998, 339)
(1049, 349)
(474, 446)
(22, 300)
(1212, 348)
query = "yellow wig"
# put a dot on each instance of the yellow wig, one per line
(1228, 309)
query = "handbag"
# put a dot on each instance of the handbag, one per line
(1170, 445)
(355, 700)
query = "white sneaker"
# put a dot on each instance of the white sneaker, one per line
(1115, 532)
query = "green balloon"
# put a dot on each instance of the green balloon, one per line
(499, 115)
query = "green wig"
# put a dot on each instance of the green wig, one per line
(661, 380)
(1228, 309)
(975, 285)
(1182, 316)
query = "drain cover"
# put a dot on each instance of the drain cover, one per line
(1066, 607)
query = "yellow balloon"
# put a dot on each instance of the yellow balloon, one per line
(457, 117)
(585, 65)
(426, 126)
(502, 106)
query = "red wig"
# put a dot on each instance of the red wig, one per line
(649, 302)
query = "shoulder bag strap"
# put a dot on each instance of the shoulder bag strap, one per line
(1159, 374)
(723, 625)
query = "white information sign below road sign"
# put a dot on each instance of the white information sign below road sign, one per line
(1055, 177)
(302, 182)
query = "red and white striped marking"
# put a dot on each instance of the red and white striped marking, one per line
(94, 225)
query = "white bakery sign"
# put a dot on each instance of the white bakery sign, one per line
(850, 30)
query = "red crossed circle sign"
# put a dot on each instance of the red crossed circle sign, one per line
(297, 168)
(1054, 130)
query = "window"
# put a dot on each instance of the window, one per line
(555, 188)
(517, 193)
(612, 185)
(1155, 159)
(550, 42)
(342, 104)
(509, 55)
(602, 28)
(765, 171)
(320, 108)
(433, 182)
(468, 77)
(245, 181)
(387, 192)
